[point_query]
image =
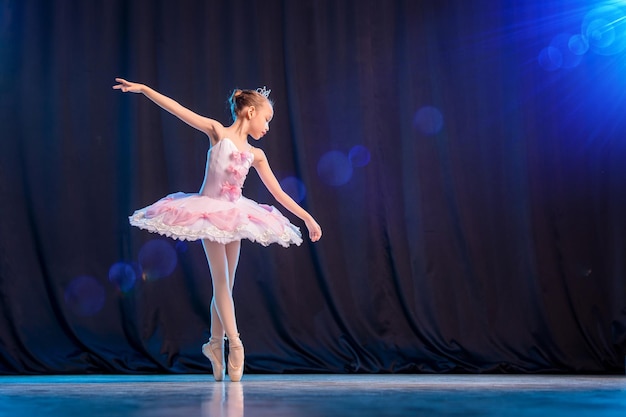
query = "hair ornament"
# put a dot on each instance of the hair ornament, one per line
(264, 92)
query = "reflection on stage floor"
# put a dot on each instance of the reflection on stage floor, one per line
(313, 395)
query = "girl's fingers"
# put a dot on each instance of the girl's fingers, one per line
(316, 234)
(123, 84)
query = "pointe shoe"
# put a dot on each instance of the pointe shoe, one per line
(235, 372)
(214, 350)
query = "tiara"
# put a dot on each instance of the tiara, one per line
(264, 91)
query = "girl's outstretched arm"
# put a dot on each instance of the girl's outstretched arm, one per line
(269, 179)
(204, 124)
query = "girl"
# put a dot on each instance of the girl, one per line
(218, 214)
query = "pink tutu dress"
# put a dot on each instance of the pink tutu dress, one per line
(218, 212)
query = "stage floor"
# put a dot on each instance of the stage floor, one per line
(313, 395)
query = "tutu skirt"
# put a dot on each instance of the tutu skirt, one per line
(187, 216)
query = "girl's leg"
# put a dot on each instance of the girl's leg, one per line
(222, 302)
(235, 347)
(223, 261)
(220, 277)
(217, 330)
(232, 258)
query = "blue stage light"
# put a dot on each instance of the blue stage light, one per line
(604, 28)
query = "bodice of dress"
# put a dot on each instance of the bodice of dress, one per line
(226, 171)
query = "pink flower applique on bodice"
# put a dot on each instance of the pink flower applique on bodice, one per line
(226, 171)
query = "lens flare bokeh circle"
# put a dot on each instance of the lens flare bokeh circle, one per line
(550, 58)
(428, 120)
(568, 59)
(334, 168)
(294, 188)
(359, 156)
(85, 296)
(605, 29)
(157, 259)
(123, 276)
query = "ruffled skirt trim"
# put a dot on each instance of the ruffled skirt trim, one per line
(186, 216)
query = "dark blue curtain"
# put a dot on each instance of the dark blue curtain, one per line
(464, 158)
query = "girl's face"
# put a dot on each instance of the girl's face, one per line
(260, 120)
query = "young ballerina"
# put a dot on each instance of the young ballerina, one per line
(218, 214)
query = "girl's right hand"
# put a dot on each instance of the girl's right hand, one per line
(127, 86)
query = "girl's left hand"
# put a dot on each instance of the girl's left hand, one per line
(315, 231)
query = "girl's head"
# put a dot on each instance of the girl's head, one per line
(255, 106)
(240, 100)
